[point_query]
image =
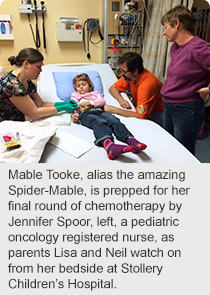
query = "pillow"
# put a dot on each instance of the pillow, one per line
(64, 83)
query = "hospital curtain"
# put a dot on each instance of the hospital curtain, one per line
(156, 48)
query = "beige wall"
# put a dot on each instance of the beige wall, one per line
(56, 52)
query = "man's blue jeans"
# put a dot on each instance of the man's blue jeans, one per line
(104, 125)
(184, 121)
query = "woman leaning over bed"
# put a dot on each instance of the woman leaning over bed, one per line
(18, 94)
(188, 77)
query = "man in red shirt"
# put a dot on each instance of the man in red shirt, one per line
(144, 88)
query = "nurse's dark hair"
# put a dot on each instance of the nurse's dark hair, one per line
(183, 14)
(133, 61)
(30, 54)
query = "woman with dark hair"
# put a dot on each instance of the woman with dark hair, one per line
(18, 94)
(188, 77)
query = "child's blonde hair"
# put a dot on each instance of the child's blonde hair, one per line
(83, 77)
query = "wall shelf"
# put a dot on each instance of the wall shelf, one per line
(7, 37)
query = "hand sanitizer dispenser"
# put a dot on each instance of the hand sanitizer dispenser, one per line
(6, 32)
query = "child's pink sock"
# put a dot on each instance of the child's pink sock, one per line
(113, 150)
(137, 146)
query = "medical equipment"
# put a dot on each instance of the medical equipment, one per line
(6, 30)
(11, 142)
(69, 29)
(201, 22)
(129, 5)
(126, 24)
(37, 40)
(29, 8)
(43, 25)
(130, 28)
(114, 55)
(91, 25)
(32, 31)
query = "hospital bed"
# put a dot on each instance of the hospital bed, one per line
(162, 147)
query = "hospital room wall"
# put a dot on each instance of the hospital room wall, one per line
(55, 52)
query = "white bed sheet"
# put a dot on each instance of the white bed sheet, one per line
(162, 147)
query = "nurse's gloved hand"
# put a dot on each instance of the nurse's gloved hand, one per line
(68, 106)
(71, 101)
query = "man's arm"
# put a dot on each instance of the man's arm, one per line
(116, 94)
(118, 111)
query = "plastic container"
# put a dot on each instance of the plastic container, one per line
(114, 55)
(4, 27)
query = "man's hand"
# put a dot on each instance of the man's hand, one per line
(85, 106)
(125, 104)
(117, 95)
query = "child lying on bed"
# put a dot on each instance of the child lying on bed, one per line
(103, 124)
